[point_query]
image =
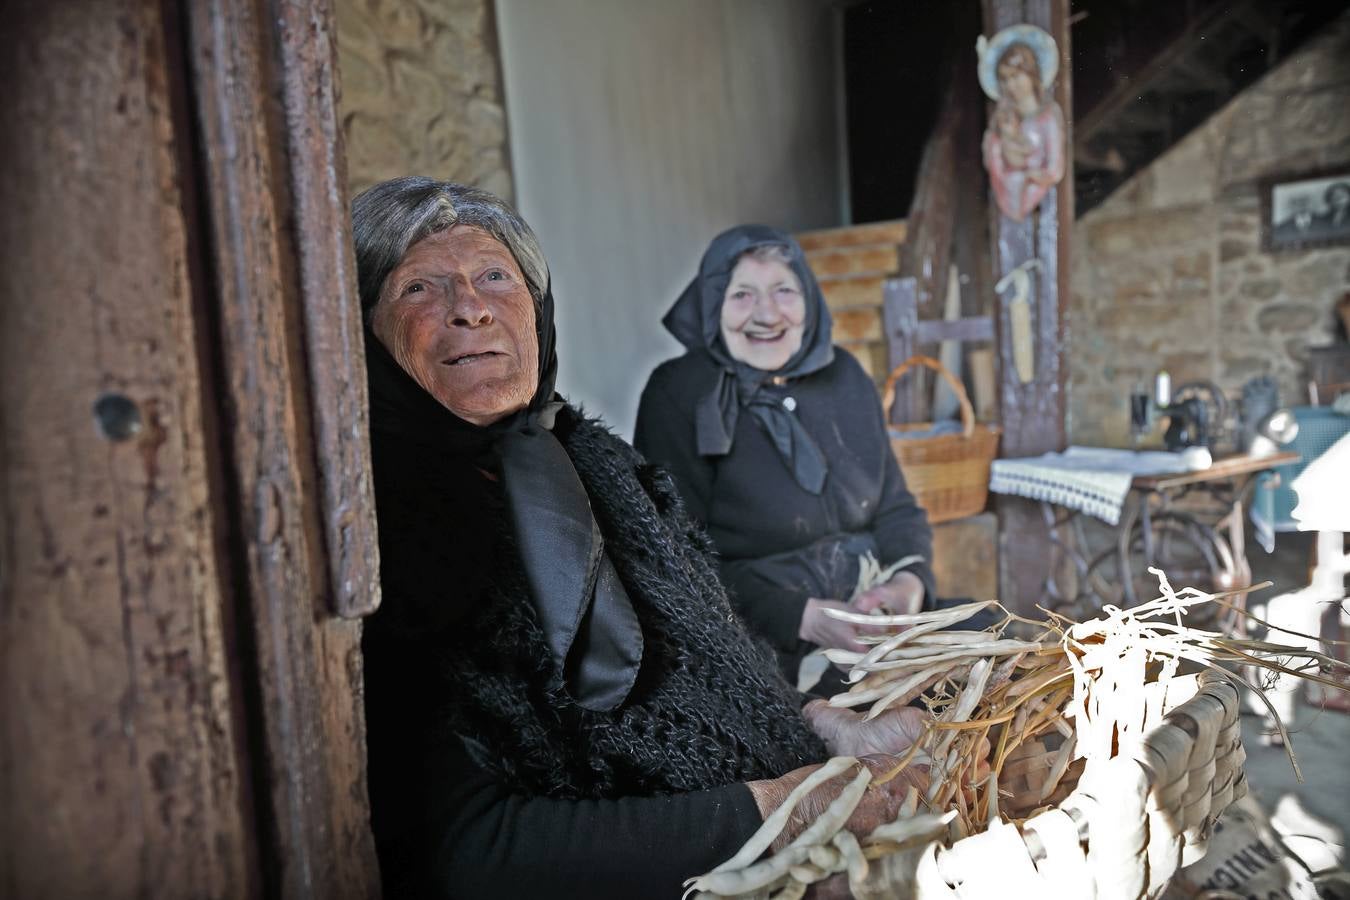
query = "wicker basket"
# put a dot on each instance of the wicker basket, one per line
(948, 474)
(1129, 822)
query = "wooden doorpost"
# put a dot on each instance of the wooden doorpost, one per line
(122, 771)
(1033, 412)
(285, 319)
(187, 534)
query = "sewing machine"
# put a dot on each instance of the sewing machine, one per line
(1188, 424)
(1194, 413)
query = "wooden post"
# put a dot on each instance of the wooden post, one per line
(122, 771)
(1033, 413)
(946, 223)
(292, 395)
(927, 250)
(970, 250)
(186, 532)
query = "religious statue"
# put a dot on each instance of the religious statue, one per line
(1024, 143)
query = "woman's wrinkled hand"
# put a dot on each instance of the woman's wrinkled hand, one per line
(902, 595)
(880, 803)
(826, 631)
(846, 733)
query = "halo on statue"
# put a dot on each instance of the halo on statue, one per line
(991, 50)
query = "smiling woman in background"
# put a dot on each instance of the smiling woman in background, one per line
(559, 700)
(778, 445)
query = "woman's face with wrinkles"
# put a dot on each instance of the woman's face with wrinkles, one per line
(457, 315)
(763, 313)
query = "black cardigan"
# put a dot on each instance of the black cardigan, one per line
(486, 780)
(780, 544)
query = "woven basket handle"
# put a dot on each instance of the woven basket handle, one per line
(888, 392)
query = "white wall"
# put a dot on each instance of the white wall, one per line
(641, 128)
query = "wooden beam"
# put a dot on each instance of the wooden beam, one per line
(1259, 21)
(1142, 80)
(262, 93)
(1196, 72)
(1033, 412)
(305, 41)
(122, 762)
(948, 225)
(973, 328)
(971, 252)
(1145, 114)
(900, 319)
(926, 253)
(1093, 157)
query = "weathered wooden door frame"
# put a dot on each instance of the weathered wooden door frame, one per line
(187, 540)
(294, 399)
(1032, 414)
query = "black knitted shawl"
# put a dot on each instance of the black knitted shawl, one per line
(458, 628)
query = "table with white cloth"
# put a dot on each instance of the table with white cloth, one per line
(1180, 512)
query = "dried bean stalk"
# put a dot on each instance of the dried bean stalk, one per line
(1088, 673)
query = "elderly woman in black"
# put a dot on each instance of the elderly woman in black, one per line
(778, 445)
(560, 701)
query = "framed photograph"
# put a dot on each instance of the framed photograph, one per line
(1303, 211)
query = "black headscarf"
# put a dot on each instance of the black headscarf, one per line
(696, 321)
(589, 623)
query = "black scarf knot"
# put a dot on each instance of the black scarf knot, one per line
(717, 413)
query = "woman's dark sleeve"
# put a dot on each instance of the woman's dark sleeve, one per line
(766, 592)
(901, 526)
(665, 436)
(901, 529)
(481, 840)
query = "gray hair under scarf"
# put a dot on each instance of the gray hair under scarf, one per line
(392, 216)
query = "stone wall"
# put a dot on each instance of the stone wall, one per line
(422, 92)
(1169, 272)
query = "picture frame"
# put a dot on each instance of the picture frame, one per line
(1305, 210)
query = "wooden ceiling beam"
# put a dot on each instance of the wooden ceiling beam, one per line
(1144, 115)
(1259, 22)
(1198, 72)
(1151, 72)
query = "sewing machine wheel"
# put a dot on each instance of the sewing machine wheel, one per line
(1215, 403)
(1191, 555)
(1189, 552)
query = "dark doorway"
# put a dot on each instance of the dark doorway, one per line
(897, 56)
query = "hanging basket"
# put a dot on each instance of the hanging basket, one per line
(947, 473)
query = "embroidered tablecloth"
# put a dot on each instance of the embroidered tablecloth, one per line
(1094, 480)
